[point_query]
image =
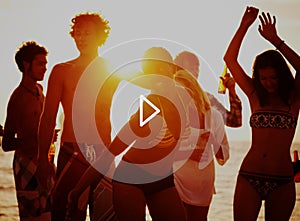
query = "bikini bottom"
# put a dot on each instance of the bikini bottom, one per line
(265, 184)
(148, 183)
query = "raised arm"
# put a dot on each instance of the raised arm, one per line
(267, 29)
(231, 55)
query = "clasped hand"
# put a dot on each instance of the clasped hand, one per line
(72, 204)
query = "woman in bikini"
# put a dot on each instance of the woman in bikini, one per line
(266, 172)
(145, 174)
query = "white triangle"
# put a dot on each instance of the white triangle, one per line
(143, 122)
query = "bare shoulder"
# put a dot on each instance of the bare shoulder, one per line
(62, 68)
(14, 97)
(59, 71)
(17, 100)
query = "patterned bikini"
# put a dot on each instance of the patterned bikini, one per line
(279, 120)
(265, 184)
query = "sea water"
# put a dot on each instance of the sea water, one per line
(221, 208)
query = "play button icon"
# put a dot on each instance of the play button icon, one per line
(142, 120)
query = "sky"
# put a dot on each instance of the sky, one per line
(204, 27)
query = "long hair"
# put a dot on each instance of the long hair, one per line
(190, 83)
(182, 57)
(273, 59)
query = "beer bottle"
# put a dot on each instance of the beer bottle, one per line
(51, 153)
(222, 88)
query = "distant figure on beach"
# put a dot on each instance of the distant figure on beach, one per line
(233, 118)
(1, 130)
(21, 129)
(77, 151)
(195, 179)
(1, 134)
(266, 172)
(144, 177)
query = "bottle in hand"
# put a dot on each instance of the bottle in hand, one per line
(51, 153)
(222, 88)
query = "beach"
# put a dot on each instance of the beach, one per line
(221, 206)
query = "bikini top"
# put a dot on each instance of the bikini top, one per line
(267, 119)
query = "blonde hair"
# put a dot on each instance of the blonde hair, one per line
(189, 82)
(158, 59)
(186, 56)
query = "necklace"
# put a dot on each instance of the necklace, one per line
(34, 93)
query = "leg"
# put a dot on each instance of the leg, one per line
(101, 203)
(43, 217)
(166, 205)
(129, 202)
(33, 204)
(280, 203)
(247, 201)
(196, 213)
(67, 177)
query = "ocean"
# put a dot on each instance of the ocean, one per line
(220, 209)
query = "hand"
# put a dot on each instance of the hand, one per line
(55, 135)
(45, 171)
(72, 204)
(267, 27)
(228, 82)
(202, 140)
(201, 144)
(249, 16)
(220, 157)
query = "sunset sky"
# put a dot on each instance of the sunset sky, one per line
(204, 27)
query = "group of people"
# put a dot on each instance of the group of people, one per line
(169, 165)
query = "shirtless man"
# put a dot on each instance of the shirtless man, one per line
(20, 134)
(89, 31)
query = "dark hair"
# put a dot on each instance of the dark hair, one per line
(101, 25)
(27, 52)
(273, 59)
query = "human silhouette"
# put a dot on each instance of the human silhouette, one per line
(78, 147)
(20, 133)
(145, 174)
(194, 180)
(266, 173)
